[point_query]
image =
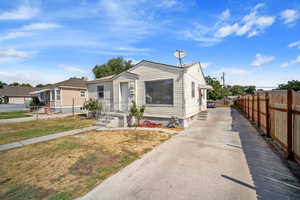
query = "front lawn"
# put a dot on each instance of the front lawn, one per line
(14, 114)
(69, 167)
(12, 132)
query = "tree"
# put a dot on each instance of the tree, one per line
(236, 90)
(94, 106)
(113, 66)
(2, 84)
(250, 89)
(18, 84)
(42, 85)
(14, 84)
(137, 113)
(218, 92)
(294, 84)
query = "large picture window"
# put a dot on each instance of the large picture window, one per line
(100, 90)
(159, 92)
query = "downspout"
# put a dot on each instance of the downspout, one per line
(183, 96)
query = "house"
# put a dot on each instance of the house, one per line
(64, 96)
(166, 91)
(16, 94)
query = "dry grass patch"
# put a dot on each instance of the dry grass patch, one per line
(69, 167)
(12, 132)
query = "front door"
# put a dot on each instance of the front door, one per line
(124, 96)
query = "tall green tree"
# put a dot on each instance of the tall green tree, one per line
(113, 66)
(236, 90)
(2, 84)
(250, 89)
(294, 84)
(218, 92)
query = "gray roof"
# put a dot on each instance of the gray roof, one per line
(72, 83)
(17, 91)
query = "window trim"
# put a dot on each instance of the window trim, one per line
(98, 92)
(160, 105)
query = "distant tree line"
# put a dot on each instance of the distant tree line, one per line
(219, 92)
(15, 84)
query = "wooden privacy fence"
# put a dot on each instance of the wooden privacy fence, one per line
(277, 114)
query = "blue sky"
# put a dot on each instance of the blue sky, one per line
(253, 42)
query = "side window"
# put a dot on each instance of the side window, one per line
(100, 90)
(57, 94)
(82, 93)
(193, 89)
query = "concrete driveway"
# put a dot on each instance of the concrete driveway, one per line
(218, 158)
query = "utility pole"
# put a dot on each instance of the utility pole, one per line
(223, 79)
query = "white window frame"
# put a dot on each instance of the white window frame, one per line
(58, 94)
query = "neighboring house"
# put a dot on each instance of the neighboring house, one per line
(64, 96)
(15, 94)
(166, 91)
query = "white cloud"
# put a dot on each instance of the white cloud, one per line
(40, 26)
(133, 61)
(297, 60)
(168, 3)
(204, 65)
(225, 15)
(251, 24)
(227, 30)
(12, 53)
(71, 68)
(262, 59)
(295, 44)
(285, 64)
(17, 34)
(23, 12)
(289, 16)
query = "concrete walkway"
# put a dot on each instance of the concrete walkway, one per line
(219, 158)
(44, 138)
(40, 117)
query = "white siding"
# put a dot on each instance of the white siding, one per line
(108, 94)
(194, 74)
(151, 72)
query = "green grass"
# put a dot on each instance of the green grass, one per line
(14, 114)
(12, 132)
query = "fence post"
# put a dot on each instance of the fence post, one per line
(73, 111)
(258, 111)
(253, 107)
(248, 107)
(267, 114)
(290, 124)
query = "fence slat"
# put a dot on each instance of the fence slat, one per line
(290, 124)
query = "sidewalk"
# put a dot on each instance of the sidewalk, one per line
(40, 117)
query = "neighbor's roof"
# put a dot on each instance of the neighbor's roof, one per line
(16, 91)
(70, 83)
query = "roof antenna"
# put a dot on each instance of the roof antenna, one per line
(180, 55)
